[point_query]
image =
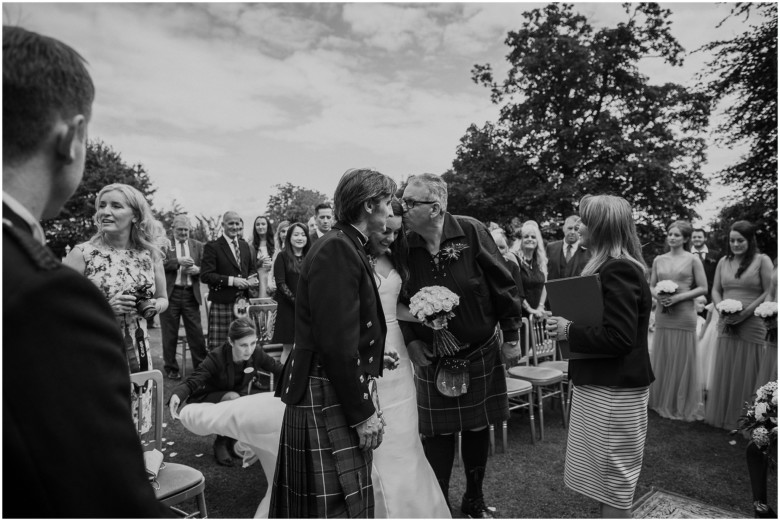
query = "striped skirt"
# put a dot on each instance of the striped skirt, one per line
(605, 447)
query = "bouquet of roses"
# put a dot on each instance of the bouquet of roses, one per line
(433, 306)
(666, 287)
(728, 307)
(761, 418)
(768, 311)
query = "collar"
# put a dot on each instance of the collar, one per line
(228, 239)
(361, 236)
(450, 230)
(20, 210)
(574, 246)
(320, 234)
(703, 249)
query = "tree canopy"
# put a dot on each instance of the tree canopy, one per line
(103, 166)
(577, 117)
(293, 203)
(743, 77)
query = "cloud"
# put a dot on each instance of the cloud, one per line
(393, 27)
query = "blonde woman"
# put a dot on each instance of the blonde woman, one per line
(533, 269)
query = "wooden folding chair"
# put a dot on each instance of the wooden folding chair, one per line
(262, 311)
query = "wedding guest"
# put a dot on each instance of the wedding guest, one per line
(123, 258)
(279, 237)
(323, 219)
(287, 270)
(182, 278)
(533, 269)
(608, 422)
(331, 425)
(458, 252)
(676, 392)
(744, 274)
(708, 257)
(227, 373)
(263, 244)
(312, 224)
(229, 270)
(767, 370)
(70, 449)
(568, 257)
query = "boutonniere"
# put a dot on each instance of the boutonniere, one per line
(452, 252)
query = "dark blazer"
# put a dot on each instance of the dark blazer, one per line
(171, 266)
(558, 268)
(68, 433)
(710, 265)
(339, 324)
(219, 263)
(627, 304)
(217, 373)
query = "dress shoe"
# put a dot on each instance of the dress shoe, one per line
(221, 453)
(474, 508)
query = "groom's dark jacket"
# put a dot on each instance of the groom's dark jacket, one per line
(339, 324)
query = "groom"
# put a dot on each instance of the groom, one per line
(459, 253)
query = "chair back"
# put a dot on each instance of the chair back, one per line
(542, 345)
(262, 311)
(148, 406)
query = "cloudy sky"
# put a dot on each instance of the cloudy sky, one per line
(220, 102)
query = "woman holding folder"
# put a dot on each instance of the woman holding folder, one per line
(611, 392)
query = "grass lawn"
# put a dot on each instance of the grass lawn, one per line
(691, 459)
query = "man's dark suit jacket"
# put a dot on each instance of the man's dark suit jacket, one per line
(172, 266)
(217, 373)
(339, 324)
(70, 448)
(558, 268)
(219, 263)
(710, 265)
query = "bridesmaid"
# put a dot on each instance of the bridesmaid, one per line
(676, 392)
(263, 243)
(768, 366)
(745, 275)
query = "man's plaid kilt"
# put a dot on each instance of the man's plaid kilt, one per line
(320, 469)
(483, 404)
(220, 317)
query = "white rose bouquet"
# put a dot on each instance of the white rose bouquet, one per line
(728, 307)
(761, 418)
(433, 306)
(666, 287)
(768, 311)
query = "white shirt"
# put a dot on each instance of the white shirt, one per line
(20, 210)
(574, 247)
(703, 249)
(182, 279)
(238, 259)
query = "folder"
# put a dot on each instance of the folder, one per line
(577, 299)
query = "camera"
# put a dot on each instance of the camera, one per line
(144, 300)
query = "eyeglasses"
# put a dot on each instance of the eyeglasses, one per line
(408, 204)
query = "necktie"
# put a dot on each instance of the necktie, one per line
(183, 254)
(237, 252)
(569, 247)
(702, 255)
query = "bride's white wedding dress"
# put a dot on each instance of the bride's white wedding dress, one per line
(404, 484)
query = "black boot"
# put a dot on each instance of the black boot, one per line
(221, 453)
(440, 453)
(476, 446)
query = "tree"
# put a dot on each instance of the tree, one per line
(576, 117)
(103, 166)
(744, 75)
(293, 203)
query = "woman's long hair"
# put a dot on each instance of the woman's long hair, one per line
(611, 231)
(748, 231)
(144, 233)
(540, 255)
(269, 236)
(287, 253)
(279, 241)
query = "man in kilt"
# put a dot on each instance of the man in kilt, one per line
(227, 265)
(331, 423)
(459, 253)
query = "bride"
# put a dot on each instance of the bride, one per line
(404, 483)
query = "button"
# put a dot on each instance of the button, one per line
(369, 324)
(290, 377)
(370, 359)
(358, 361)
(371, 343)
(292, 363)
(365, 396)
(362, 379)
(287, 390)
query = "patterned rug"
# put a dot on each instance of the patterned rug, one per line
(660, 504)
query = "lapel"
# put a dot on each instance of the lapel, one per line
(228, 249)
(352, 233)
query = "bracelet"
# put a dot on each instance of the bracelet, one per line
(566, 330)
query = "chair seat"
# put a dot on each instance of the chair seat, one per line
(517, 386)
(536, 375)
(176, 478)
(561, 365)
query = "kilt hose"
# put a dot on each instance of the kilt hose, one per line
(320, 470)
(483, 404)
(220, 317)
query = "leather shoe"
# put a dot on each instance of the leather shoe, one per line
(173, 375)
(221, 453)
(474, 508)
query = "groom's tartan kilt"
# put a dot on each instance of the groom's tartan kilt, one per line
(320, 470)
(483, 404)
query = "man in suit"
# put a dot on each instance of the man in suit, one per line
(328, 379)
(568, 257)
(708, 257)
(228, 267)
(182, 278)
(323, 220)
(68, 433)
